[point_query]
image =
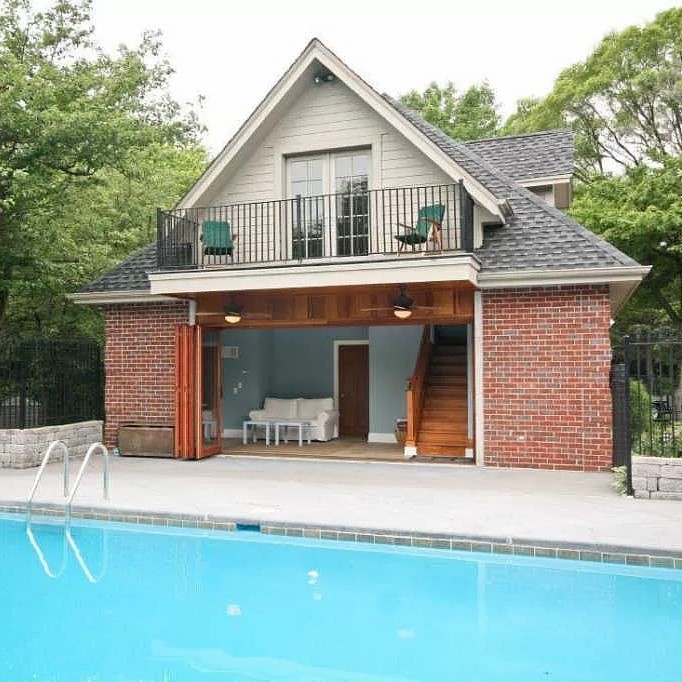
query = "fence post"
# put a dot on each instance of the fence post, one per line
(628, 435)
(619, 417)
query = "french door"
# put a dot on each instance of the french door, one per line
(331, 204)
(198, 392)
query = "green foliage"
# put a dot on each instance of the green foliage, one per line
(619, 482)
(80, 129)
(624, 102)
(640, 212)
(662, 439)
(640, 409)
(469, 116)
(531, 116)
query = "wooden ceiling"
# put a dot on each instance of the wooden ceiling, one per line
(441, 302)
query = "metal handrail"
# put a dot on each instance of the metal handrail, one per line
(105, 481)
(39, 475)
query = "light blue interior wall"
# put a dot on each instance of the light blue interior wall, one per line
(392, 356)
(303, 360)
(300, 362)
(246, 378)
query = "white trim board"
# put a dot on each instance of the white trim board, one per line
(463, 267)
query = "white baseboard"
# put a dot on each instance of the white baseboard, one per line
(381, 438)
(232, 433)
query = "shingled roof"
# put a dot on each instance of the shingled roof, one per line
(129, 275)
(525, 157)
(536, 237)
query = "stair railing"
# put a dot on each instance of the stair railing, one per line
(416, 385)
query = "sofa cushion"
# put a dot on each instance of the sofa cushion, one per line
(282, 408)
(309, 408)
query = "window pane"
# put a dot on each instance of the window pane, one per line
(315, 188)
(298, 170)
(343, 166)
(299, 188)
(315, 169)
(361, 163)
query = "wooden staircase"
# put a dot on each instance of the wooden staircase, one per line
(442, 429)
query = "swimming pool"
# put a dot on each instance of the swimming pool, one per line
(179, 606)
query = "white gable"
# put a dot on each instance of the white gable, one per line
(298, 116)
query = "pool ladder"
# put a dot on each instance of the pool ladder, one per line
(69, 497)
(68, 537)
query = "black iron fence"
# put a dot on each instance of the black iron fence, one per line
(318, 228)
(44, 382)
(647, 398)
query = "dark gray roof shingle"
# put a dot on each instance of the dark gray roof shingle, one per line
(129, 275)
(523, 157)
(535, 237)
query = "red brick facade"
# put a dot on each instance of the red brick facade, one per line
(546, 362)
(139, 360)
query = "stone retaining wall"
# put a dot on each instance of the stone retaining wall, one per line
(657, 478)
(23, 448)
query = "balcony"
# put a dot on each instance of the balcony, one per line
(375, 224)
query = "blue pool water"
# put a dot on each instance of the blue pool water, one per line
(176, 606)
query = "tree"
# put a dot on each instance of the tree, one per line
(640, 212)
(97, 224)
(469, 116)
(624, 102)
(71, 118)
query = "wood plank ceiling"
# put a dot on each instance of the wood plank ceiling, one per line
(442, 302)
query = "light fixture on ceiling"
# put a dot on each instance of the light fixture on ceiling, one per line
(233, 313)
(402, 305)
(323, 76)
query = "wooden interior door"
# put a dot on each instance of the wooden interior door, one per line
(354, 390)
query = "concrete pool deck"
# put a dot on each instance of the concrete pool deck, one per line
(512, 506)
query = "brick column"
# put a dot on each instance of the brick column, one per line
(546, 362)
(139, 362)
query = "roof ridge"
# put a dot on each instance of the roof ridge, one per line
(538, 133)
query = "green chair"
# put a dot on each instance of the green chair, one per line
(428, 225)
(218, 238)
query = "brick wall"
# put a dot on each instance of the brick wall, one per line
(546, 361)
(139, 361)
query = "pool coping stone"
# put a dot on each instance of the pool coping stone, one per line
(553, 549)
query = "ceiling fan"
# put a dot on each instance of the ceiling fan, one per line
(233, 313)
(403, 306)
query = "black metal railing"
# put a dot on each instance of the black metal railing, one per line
(319, 228)
(650, 410)
(44, 382)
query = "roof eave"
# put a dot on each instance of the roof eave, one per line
(623, 280)
(116, 297)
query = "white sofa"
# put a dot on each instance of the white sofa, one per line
(319, 412)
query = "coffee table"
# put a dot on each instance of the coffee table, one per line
(300, 423)
(254, 424)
